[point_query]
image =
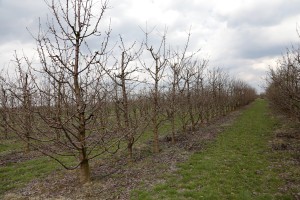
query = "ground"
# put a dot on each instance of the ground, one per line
(114, 178)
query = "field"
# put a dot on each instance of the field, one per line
(240, 164)
(249, 154)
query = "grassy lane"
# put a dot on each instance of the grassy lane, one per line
(235, 166)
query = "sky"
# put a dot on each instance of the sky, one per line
(243, 37)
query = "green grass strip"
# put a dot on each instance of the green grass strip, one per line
(9, 146)
(16, 175)
(235, 166)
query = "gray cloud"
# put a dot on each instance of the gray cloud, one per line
(262, 13)
(234, 34)
(16, 16)
(259, 51)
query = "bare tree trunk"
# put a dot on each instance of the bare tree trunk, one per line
(190, 106)
(128, 129)
(85, 174)
(28, 115)
(4, 100)
(84, 162)
(155, 110)
(173, 123)
(173, 101)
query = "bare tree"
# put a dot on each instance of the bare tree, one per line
(21, 89)
(124, 76)
(156, 70)
(75, 106)
(284, 84)
(199, 91)
(74, 88)
(175, 68)
(4, 108)
(177, 64)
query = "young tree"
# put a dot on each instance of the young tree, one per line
(177, 64)
(156, 70)
(284, 84)
(4, 108)
(199, 91)
(175, 69)
(124, 76)
(21, 90)
(74, 89)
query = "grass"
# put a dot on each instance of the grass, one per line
(235, 166)
(18, 174)
(11, 145)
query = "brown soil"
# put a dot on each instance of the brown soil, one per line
(114, 178)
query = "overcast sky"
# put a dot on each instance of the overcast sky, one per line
(242, 36)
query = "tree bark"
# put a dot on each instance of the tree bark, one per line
(85, 174)
(155, 110)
